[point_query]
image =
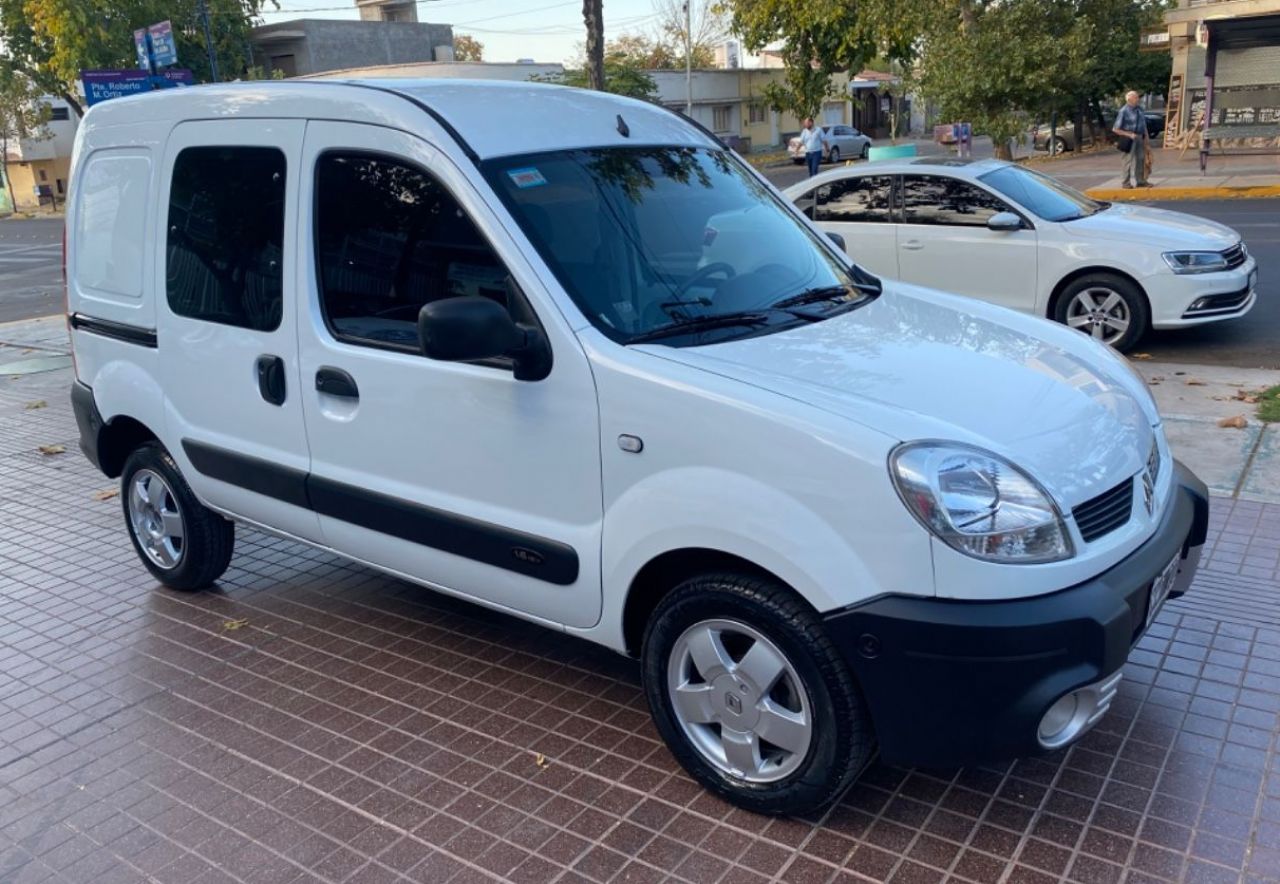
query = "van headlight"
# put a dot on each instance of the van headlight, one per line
(979, 503)
(1195, 262)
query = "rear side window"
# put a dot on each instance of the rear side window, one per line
(854, 200)
(109, 223)
(936, 199)
(389, 239)
(226, 233)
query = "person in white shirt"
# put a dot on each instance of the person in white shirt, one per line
(812, 140)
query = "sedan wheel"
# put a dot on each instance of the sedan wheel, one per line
(866, 150)
(835, 154)
(1108, 308)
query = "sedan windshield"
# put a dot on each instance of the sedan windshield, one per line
(1041, 195)
(674, 244)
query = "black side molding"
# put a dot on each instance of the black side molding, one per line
(262, 476)
(501, 547)
(118, 331)
(88, 420)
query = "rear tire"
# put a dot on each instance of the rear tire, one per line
(184, 544)
(866, 151)
(797, 162)
(1060, 145)
(1097, 303)
(775, 675)
(835, 155)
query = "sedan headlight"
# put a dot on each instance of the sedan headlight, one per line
(1195, 262)
(979, 503)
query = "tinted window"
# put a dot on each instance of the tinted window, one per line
(389, 238)
(1046, 197)
(854, 199)
(226, 227)
(934, 199)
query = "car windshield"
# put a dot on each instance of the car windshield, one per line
(1041, 195)
(676, 244)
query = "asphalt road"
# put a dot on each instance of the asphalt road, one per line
(30, 268)
(31, 282)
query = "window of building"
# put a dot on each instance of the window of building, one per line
(58, 183)
(226, 231)
(935, 199)
(721, 115)
(44, 176)
(285, 64)
(854, 200)
(756, 112)
(59, 113)
(389, 239)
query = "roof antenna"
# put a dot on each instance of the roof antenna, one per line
(623, 129)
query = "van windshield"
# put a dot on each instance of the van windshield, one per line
(674, 244)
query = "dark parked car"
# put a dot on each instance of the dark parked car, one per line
(1065, 135)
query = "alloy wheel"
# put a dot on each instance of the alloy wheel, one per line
(1100, 312)
(739, 700)
(155, 519)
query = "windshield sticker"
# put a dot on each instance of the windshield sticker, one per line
(523, 178)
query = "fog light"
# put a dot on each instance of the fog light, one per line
(1199, 304)
(1074, 713)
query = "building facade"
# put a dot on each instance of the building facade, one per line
(39, 168)
(306, 46)
(1226, 67)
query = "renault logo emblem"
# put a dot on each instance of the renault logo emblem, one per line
(1148, 492)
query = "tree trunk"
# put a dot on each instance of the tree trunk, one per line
(71, 100)
(593, 16)
(1003, 148)
(1078, 117)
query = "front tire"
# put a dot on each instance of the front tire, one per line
(866, 151)
(184, 544)
(752, 696)
(1107, 307)
(1060, 145)
(835, 155)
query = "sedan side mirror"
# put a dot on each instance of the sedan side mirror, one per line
(471, 328)
(1004, 221)
(837, 239)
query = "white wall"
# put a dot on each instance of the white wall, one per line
(62, 135)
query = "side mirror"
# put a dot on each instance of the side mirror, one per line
(471, 328)
(837, 239)
(1004, 221)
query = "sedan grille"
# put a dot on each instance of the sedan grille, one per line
(1105, 513)
(1236, 255)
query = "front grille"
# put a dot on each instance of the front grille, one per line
(1235, 255)
(1105, 513)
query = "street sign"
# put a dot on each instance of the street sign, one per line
(164, 52)
(1154, 39)
(104, 85)
(142, 49)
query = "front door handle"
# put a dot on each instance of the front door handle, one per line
(271, 383)
(336, 382)
(913, 245)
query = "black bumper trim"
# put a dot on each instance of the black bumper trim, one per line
(88, 419)
(952, 683)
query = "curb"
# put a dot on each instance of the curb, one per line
(1145, 194)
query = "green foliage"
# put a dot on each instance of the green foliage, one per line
(22, 115)
(467, 48)
(51, 41)
(622, 76)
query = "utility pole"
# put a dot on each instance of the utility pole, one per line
(202, 9)
(688, 58)
(593, 15)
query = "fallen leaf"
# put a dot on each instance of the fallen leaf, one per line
(540, 760)
(47, 450)
(1157, 377)
(1239, 422)
(1140, 356)
(235, 624)
(106, 493)
(1179, 373)
(32, 406)
(1196, 382)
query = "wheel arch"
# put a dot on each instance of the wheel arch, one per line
(118, 438)
(1051, 308)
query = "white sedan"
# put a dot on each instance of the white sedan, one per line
(1009, 235)
(840, 142)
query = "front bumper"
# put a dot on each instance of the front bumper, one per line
(1230, 293)
(952, 683)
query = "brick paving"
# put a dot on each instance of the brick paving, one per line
(312, 720)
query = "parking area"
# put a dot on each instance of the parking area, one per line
(315, 721)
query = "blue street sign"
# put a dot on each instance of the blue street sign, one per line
(105, 85)
(143, 51)
(164, 51)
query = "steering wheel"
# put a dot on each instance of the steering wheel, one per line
(703, 273)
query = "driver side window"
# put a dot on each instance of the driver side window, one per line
(389, 239)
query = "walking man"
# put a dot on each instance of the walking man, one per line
(812, 139)
(1131, 125)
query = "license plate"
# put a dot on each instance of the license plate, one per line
(1160, 589)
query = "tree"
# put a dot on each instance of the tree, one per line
(467, 48)
(593, 17)
(51, 41)
(622, 76)
(708, 28)
(643, 52)
(22, 115)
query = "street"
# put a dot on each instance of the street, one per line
(30, 268)
(31, 281)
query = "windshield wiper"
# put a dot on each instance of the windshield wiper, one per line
(826, 293)
(702, 323)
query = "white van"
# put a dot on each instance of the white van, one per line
(564, 355)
